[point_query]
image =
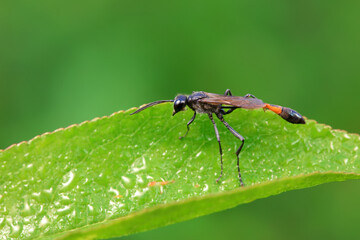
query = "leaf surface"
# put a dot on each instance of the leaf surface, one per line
(123, 174)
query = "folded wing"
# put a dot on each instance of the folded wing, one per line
(233, 101)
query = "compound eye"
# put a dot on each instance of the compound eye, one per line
(178, 105)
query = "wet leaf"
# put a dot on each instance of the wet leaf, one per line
(122, 174)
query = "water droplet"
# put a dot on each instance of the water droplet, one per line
(71, 176)
(44, 221)
(91, 208)
(113, 190)
(41, 209)
(48, 190)
(346, 136)
(114, 206)
(26, 211)
(136, 166)
(15, 230)
(295, 142)
(140, 193)
(36, 194)
(64, 211)
(139, 179)
(289, 160)
(126, 179)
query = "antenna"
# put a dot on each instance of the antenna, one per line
(150, 105)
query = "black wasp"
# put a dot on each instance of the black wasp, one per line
(220, 105)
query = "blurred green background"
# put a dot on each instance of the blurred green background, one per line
(66, 62)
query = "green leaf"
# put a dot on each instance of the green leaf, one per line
(94, 180)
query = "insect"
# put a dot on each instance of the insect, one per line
(220, 105)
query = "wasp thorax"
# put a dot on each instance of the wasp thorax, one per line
(179, 103)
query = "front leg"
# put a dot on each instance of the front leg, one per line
(218, 139)
(236, 134)
(187, 125)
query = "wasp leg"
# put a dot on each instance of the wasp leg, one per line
(218, 139)
(228, 92)
(187, 125)
(249, 95)
(236, 134)
(227, 112)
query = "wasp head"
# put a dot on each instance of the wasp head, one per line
(179, 104)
